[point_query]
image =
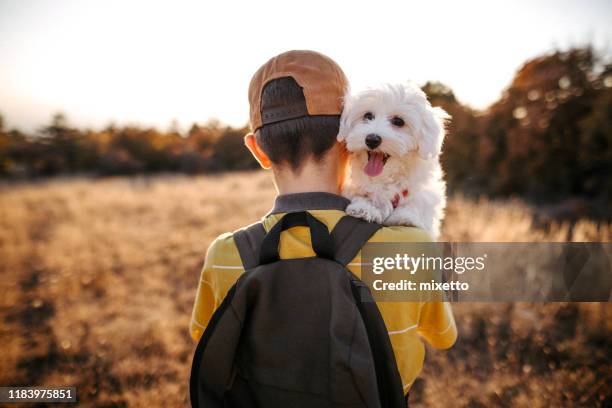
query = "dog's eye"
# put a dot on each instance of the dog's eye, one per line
(368, 116)
(397, 121)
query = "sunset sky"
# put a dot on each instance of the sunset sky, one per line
(148, 63)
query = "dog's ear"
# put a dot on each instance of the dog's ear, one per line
(344, 118)
(344, 127)
(431, 134)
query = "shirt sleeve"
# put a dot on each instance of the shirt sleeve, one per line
(437, 325)
(434, 319)
(205, 302)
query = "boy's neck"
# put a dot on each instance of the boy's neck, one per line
(311, 177)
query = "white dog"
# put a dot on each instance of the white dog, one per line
(394, 136)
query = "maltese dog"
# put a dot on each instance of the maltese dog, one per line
(394, 137)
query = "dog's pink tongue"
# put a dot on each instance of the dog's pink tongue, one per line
(375, 164)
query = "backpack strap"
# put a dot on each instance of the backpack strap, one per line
(248, 241)
(388, 378)
(319, 237)
(350, 235)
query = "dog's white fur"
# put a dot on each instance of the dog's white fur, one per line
(413, 164)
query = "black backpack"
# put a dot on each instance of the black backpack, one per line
(301, 332)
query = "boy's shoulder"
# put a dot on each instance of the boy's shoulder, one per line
(223, 251)
(224, 240)
(401, 234)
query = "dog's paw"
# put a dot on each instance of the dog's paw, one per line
(407, 216)
(404, 216)
(364, 210)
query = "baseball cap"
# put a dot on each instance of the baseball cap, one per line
(320, 78)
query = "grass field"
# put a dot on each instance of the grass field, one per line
(98, 280)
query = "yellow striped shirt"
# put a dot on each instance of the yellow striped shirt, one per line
(407, 322)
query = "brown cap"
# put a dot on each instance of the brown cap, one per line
(321, 79)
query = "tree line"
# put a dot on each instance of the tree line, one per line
(59, 148)
(548, 136)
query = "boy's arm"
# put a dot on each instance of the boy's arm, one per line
(436, 322)
(435, 318)
(437, 325)
(205, 303)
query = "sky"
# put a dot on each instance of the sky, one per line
(150, 62)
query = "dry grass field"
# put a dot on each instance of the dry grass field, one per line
(98, 280)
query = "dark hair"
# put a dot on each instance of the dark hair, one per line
(293, 140)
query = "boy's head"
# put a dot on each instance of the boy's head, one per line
(295, 105)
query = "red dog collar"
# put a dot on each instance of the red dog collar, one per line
(397, 197)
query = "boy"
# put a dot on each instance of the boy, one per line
(295, 106)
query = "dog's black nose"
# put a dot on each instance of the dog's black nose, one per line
(373, 140)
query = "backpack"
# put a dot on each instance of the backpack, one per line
(298, 333)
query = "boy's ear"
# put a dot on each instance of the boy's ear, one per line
(251, 143)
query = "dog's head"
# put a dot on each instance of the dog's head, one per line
(387, 123)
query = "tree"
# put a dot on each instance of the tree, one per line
(461, 143)
(531, 136)
(231, 153)
(595, 155)
(64, 149)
